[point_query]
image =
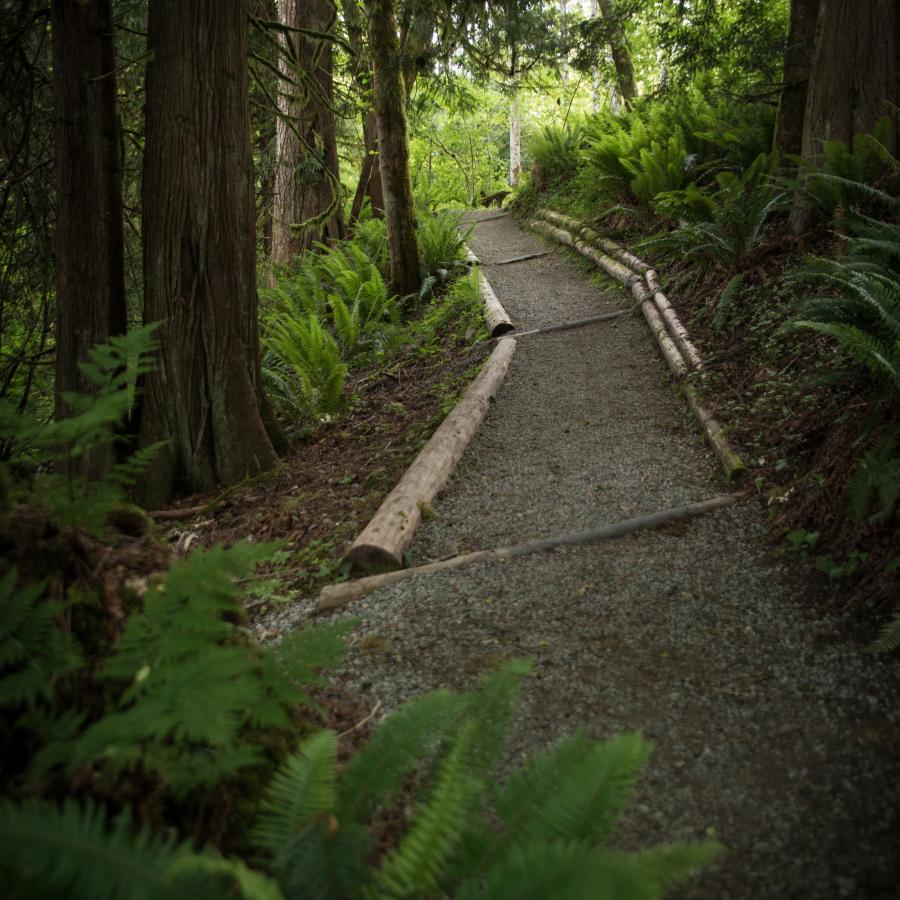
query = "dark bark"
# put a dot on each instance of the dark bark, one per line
(390, 111)
(199, 250)
(89, 235)
(307, 187)
(798, 60)
(853, 80)
(621, 55)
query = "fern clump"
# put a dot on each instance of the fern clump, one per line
(43, 452)
(184, 688)
(556, 814)
(554, 820)
(555, 152)
(723, 226)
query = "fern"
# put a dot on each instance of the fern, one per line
(178, 652)
(732, 224)
(91, 423)
(73, 853)
(308, 783)
(419, 865)
(889, 639)
(34, 652)
(876, 479)
(553, 813)
(555, 152)
(442, 242)
(312, 357)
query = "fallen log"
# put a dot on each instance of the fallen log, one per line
(666, 345)
(565, 326)
(518, 259)
(671, 336)
(732, 464)
(382, 542)
(558, 234)
(618, 270)
(336, 596)
(495, 316)
(673, 323)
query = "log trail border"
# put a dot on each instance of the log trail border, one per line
(495, 316)
(337, 596)
(383, 541)
(672, 337)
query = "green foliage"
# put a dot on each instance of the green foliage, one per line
(89, 428)
(889, 639)
(307, 372)
(73, 852)
(861, 312)
(724, 226)
(668, 145)
(555, 152)
(34, 651)
(458, 309)
(442, 242)
(842, 177)
(876, 480)
(553, 812)
(185, 687)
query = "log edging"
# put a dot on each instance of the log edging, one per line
(495, 316)
(671, 336)
(336, 596)
(390, 531)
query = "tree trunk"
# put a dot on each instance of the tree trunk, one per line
(853, 81)
(199, 250)
(515, 138)
(369, 184)
(307, 186)
(90, 273)
(390, 111)
(370, 177)
(798, 60)
(620, 53)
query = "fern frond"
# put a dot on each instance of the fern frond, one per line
(420, 863)
(580, 787)
(889, 639)
(399, 744)
(72, 853)
(491, 708)
(301, 793)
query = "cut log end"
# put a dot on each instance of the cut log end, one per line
(502, 328)
(372, 558)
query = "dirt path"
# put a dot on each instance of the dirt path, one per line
(770, 728)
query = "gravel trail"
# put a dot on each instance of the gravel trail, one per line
(770, 726)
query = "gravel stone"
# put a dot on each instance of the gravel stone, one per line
(772, 729)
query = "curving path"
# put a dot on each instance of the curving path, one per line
(770, 727)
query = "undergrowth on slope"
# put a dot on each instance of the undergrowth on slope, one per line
(802, 355)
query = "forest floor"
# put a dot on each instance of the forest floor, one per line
(773, 729)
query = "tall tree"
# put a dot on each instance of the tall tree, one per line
(306, 205)
(199, 250)
(798, 60)
(618, 44)
(89, 232)
(393, 141)
(370, 176)
(853, 81)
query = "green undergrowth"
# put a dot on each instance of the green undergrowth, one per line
(331, 315)
(150, 747)
(801, 337)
